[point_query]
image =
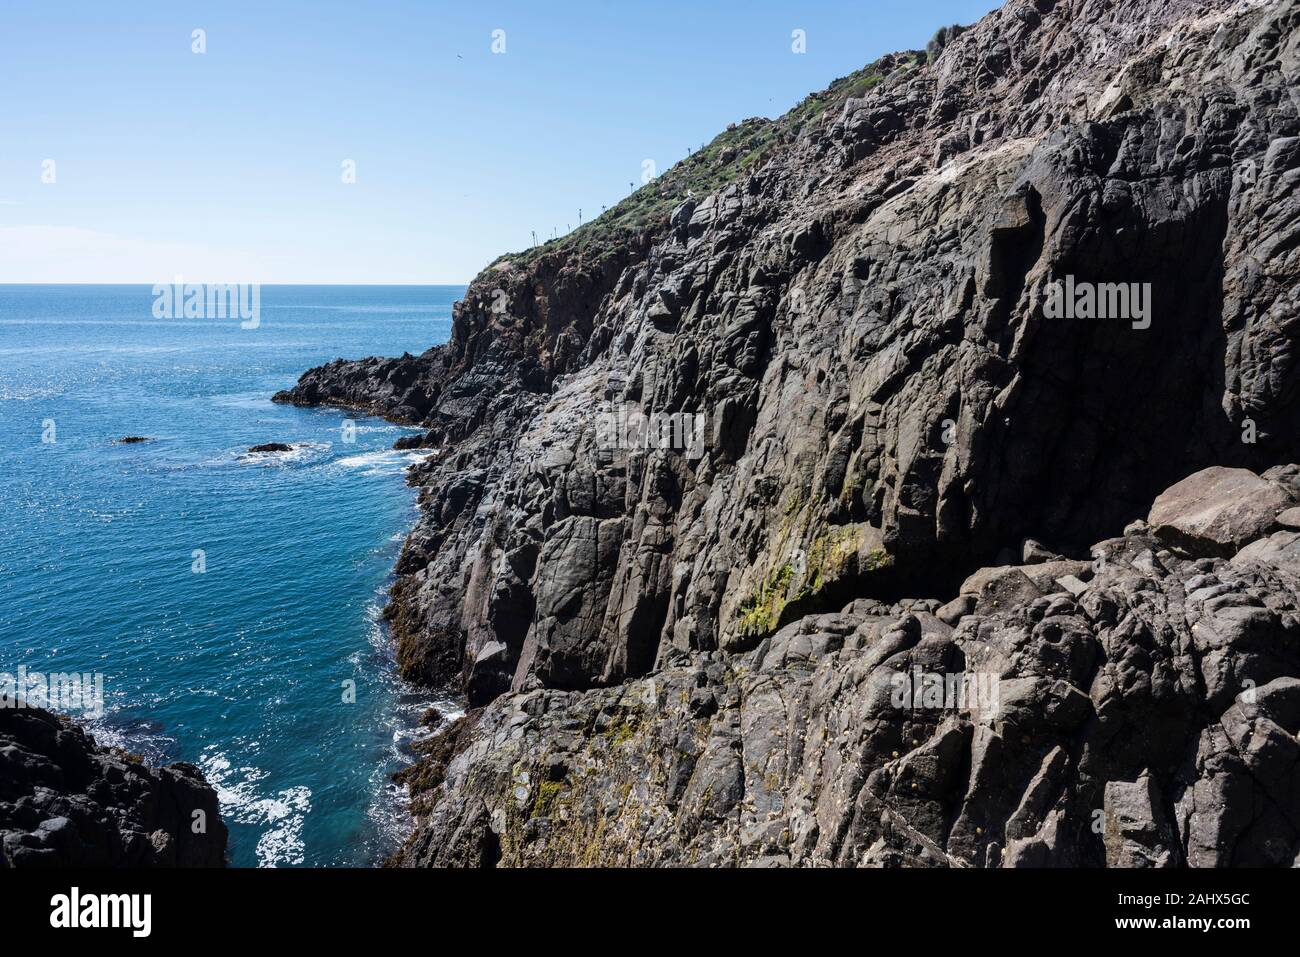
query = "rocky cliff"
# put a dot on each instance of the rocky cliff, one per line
(67, 802)
(1138, 710)
(673, 646)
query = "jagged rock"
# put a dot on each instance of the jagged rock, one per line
(889, 407)
(490, 675)
(1151, 722)
(1137, 832)
(398, 389)
(66, 802)
(829, 338)
(1033, 553)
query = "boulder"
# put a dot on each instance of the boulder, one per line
(407, 442)
(1075, 586)
(1043, 575)
(1218, 510)
(1000, 592)
(1290, 518)
(1280, 548)
(1035, 553)
(957, 609)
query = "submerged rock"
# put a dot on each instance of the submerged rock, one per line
(271, 447)
(133, 439)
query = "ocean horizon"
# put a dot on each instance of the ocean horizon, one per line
(229, 601)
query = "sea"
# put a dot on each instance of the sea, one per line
(229, 602)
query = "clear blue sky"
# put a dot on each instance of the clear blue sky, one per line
(227, 166)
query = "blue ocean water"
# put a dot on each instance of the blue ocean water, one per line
(237, 663)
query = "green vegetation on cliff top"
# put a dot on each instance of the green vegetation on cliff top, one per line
(740, 148)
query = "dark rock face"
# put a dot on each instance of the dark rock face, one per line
(869, 321)
(66, 802)
(399, 389)
(1150, 720)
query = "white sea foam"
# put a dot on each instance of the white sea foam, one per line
(383, 461)
(280, 815)
(282, 843)
(388, 427)
(299, 454)
(150, 742)
(389, 808)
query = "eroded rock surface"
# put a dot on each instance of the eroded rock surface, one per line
(861, 319)
(66, 802)
(1152, 720)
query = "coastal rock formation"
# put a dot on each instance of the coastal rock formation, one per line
(66, 802)
(1014, 289)
(402, 390)
(1151, 719)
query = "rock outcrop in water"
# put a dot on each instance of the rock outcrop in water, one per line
(270, 447)
(66, 802)
(1015, 292)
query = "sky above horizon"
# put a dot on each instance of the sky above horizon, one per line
(129, 157)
